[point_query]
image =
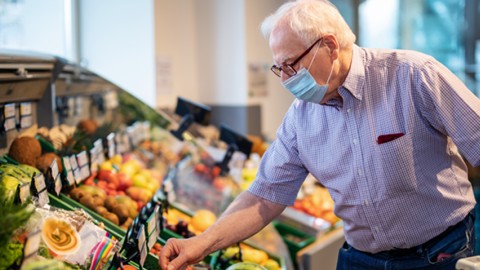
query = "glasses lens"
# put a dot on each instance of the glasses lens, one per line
(289, 70)
(276, 70)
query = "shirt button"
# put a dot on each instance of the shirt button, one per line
(366, 202)
(355, 141)
(359, 172)
(377, 229)
(349, 110)
(359, 96)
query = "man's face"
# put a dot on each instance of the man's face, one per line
(286, 47)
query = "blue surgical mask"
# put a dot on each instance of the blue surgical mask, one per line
(303, 86)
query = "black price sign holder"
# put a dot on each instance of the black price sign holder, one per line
(134, 247)
(39, 189)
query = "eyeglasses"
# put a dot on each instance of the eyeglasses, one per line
(288, 68)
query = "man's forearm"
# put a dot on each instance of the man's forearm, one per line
(247, 215)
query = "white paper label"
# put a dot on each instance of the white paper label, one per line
(58, 185)
(70, 178)
(111, 152)
(77, 175)
(85, 172)
(26, 108)
(111, 139)
(143, 255)
(82, 159)
(26, 121)
(40, 182)
(151, 224)
(30, 249)
(141, 237)
(9, 110)
(94, 167)
(66, 163)
(73, 162)
(9, 124)
(43, 198)
(152, 240)
(54, 167)
(24, 192)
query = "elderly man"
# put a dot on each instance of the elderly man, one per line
(380, 129)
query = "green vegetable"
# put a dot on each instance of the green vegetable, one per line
(45, 265)
(9, 254)
(43, 251)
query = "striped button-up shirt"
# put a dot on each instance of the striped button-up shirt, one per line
(396, 194)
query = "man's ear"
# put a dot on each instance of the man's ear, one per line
(333, 46)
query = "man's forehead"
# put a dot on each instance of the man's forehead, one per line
(285, 44)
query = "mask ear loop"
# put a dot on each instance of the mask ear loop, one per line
(314, 55)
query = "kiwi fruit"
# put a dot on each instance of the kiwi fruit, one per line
(88, 201)
(110, 202)
(113, 218)
(101, 210)
(98, 201)
(76, 194)
(122, 212)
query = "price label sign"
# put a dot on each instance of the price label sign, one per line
(54, 169)
(142, 245)
(82, 159)
(73, 162)
(39, 181)
(85, 172)
(151, 224)
(93, 160)
(111, 139)
(111, 152)
(58, 185)
(26, 121)
(77, 175)
(26, 108)
(9, 110)
(23, 192)
(10, 124)
(30, 248)
(67, 170)
(43, 198)
(66, 163)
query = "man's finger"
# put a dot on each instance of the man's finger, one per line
(178, 263)
(168, 253)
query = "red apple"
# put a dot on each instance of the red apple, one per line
(124, 181)
(108, 175)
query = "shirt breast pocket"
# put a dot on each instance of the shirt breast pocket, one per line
(397, 167)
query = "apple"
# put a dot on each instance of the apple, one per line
(108, 175)
(124, 181)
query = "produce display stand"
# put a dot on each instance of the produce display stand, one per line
(288, 235)
(324, 252)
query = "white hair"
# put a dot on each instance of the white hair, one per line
(310, 20)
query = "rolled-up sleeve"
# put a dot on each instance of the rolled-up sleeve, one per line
(281, 172)
(450, 107)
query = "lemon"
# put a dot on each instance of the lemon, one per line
(272, 265)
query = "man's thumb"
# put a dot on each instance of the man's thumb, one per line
(177, 263)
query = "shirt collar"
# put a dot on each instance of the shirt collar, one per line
(356, 75)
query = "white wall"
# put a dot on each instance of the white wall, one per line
(175, 37)
(221, 52)
(117, 42)
(278, 99)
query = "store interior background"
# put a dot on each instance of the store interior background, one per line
(212, 51)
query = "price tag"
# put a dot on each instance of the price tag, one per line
(26, 108)
(152, 239)
(9, 110)
(143, 255)
(26, 121)
(30, 249)
(111, 139)
(141, 245)
(82, 159)
(77, 175)
(73, 162)
(111, 152)
(151, 224)
(23, 192)
(70, 178)
(10, 124)
(58, 185)
(85, 172)
(39, 180)
(43, 198)
(54, 169)
(66, 163)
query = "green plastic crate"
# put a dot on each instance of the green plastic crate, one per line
(46, 145)
(10, 160)
(293, 246)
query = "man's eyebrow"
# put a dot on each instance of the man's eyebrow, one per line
(284, 59)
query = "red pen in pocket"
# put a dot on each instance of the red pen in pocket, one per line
(389, 137)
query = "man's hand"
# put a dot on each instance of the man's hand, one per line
(179, 253)
(247, 215)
